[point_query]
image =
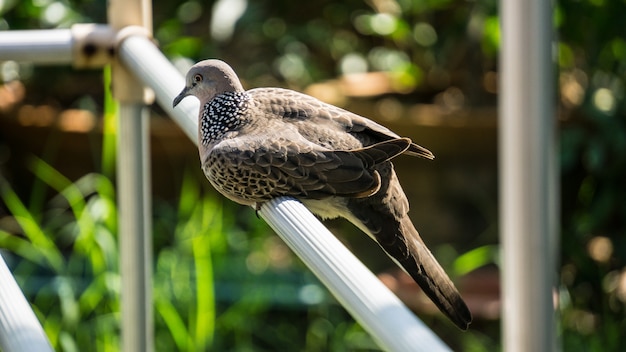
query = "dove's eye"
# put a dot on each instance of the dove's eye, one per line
(197, 78)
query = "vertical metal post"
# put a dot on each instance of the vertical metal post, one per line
(133, 174)
(528, 180)
(135, 228)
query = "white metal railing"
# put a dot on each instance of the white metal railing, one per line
(19, 328)
(355, 287)
(52, 46)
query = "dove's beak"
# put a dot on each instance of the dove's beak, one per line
(181, 96)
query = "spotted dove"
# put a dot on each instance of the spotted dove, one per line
(264, 143)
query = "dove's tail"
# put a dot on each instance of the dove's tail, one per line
(411, 252)
(403, 244)
(384, 217)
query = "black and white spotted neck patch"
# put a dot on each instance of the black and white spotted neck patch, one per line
(225, 112)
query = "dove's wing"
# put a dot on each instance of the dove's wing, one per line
(267, 169)
(302, 110)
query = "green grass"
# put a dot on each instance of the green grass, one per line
(69, 259)
(187, 266)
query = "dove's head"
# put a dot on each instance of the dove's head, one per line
(208, 78)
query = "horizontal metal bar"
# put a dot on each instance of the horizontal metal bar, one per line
(53, 46)
(371, 303)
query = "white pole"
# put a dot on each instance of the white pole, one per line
(20, 331)
(52, 46)
(85, 45)
(374, 306)
(135, 227)
(528, 181)
(145, 61)
(134, 183)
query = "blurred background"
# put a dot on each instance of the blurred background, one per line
(223, 281)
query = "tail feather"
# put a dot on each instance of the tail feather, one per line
(384, 217)
(430, 276)
(402, 243)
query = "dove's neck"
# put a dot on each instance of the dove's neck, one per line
(221, 116)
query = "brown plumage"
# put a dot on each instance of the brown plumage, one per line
(265, 143)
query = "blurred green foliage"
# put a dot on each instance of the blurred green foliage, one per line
(429, 46)
(592, 62)
(426, 45)
(69, 257)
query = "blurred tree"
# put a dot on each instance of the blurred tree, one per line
(592, 62)
(426, 46)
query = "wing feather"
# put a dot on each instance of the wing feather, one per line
(315, 173)
(297, 107)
